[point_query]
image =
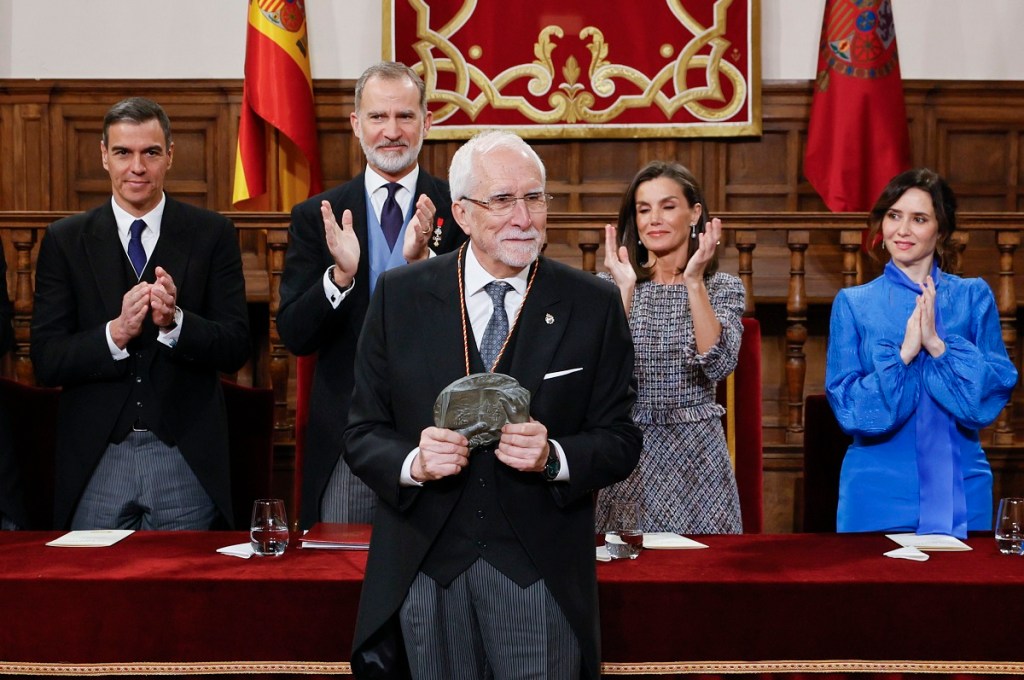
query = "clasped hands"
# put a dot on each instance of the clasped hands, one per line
(343, 243)
(443, 452)
(156, 299)
(920, 331)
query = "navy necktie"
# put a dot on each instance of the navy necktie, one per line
(391, 216)
(497, 328)
(136, 253)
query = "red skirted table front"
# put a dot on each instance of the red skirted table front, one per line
(168, 603)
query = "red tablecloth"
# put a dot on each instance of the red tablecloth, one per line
(167, 602)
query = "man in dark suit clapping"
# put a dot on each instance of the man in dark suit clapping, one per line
(139, 303)
(338, 244)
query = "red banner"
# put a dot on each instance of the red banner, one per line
(857, 137)
(579, 68)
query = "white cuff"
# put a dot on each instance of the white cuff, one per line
(406, 477)
(116, 353)
(170, 338)
(563, 471)
(334, 294)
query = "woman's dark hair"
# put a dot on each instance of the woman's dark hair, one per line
(943, 202)
(629, 236)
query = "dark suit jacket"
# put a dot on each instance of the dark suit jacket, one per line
(79, 287)
(411, 348)
(11, 501)
(307, 323)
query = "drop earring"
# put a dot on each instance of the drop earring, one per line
(693, 230)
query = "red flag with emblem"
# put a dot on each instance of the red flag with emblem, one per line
(277, 128)
(857, 137)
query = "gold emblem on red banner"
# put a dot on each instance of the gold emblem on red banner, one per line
(578, 82)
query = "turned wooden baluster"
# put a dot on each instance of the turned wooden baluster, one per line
(277, 244)
(746, 241)
(796, 334)
(588, 241)
(849, 243)
(1006, 301)
(23, 241)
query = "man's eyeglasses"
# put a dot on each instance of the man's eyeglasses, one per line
(504, 203)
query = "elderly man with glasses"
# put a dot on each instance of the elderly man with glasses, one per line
(482, 558)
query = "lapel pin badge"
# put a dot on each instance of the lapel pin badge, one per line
(548, 319)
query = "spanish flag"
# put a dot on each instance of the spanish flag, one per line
(277, 129)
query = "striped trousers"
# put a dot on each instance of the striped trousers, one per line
(483, 625)
(142, 483)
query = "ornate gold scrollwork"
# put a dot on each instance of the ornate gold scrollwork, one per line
(573, 101)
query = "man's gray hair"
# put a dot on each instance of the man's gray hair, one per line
(461, 171)
(391, 70)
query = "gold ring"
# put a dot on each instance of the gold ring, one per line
(426, 231)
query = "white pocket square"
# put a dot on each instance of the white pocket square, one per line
(559, 374)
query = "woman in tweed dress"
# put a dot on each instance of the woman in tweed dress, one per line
(684, 316)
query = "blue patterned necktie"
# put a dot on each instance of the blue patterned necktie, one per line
(391, 215)
(136, 253)
(497, 328)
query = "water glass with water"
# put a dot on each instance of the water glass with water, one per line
(268, 531)
(1009, 528)
(623, 537)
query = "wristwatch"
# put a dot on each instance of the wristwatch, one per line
(553, 466)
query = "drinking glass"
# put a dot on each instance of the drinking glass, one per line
(623, 536)
(1009, 527)
(268, 532)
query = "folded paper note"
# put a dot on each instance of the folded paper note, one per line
(929, 541)
(96, 538)
(666, 540)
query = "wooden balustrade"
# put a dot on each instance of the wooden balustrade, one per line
(822, 251)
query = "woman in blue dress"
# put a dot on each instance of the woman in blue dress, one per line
(916, 367)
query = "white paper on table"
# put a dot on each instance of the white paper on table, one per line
(908, 554)
(666, 540)
(243, 550)
(929, 541)
(95, 538)
(602, 554)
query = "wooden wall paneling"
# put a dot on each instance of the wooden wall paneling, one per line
(593, 175)
(975, 131)
(340, 155)
(199, 174)
(757, 175)
(77, 159)
(30, 138)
